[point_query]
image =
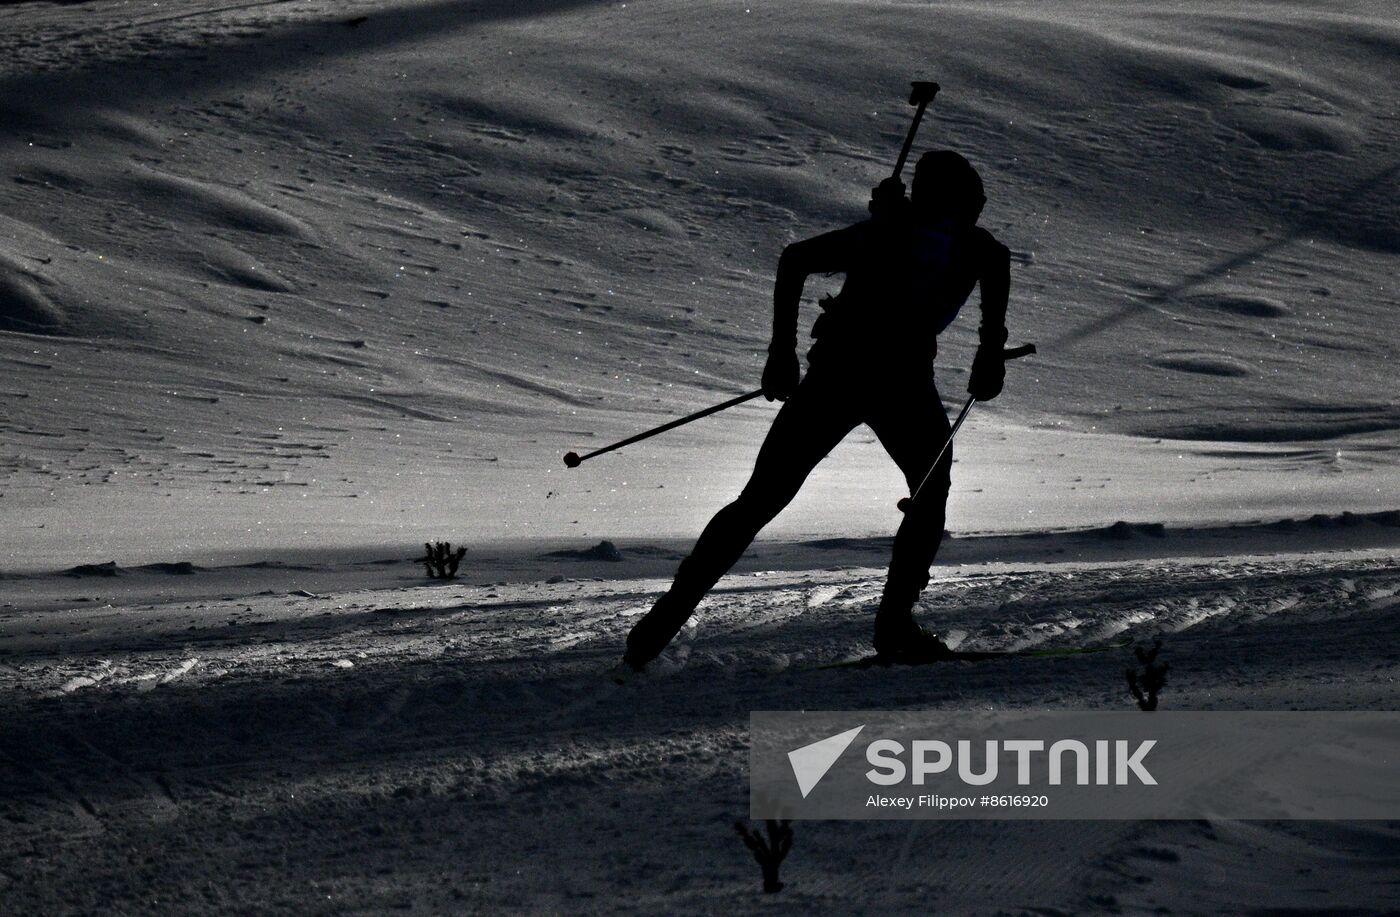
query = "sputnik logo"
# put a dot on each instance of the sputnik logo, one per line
(811, 762)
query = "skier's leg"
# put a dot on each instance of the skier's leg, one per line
(913, 427)
(808, 426)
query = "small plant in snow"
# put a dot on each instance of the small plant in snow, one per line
(768, 851)
(1146, 684)
(440, 560)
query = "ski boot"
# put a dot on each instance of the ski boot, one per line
(658, 627)
(906, 643)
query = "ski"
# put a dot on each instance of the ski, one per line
(876, 660)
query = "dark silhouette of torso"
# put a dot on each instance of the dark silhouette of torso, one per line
(905, 283)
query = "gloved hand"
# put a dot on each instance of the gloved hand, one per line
(781, 374)
(887, 199)
(988, 373)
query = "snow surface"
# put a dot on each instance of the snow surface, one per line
(384, 745)
(270, 279)
(288, 287)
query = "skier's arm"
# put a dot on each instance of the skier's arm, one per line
(989, 366)
(825, 254)
(995, 281)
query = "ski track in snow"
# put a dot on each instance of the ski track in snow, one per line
(474, 730)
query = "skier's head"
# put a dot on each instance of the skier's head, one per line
(946, 186)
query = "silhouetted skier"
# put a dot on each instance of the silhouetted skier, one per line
(908, 271)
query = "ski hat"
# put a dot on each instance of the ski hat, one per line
(951, 186)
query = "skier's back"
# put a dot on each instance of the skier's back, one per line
(908, 272)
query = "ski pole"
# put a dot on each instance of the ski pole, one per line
(1009, 354)
(921, 95)
(573, 459)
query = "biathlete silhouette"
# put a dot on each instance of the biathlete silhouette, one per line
(909, 270)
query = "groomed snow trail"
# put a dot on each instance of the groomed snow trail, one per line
(458, 747)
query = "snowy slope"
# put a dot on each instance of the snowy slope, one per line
(267, 277)
(317, 275)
